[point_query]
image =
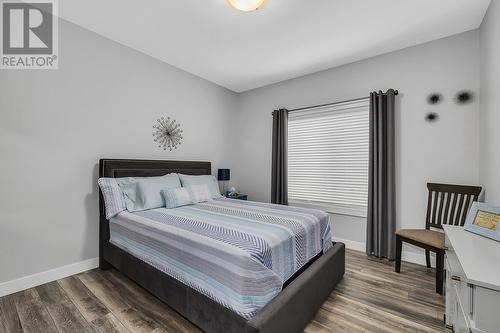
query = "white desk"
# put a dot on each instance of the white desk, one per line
(472, 264)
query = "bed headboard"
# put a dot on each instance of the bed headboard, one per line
(116, 168)
(150, 168)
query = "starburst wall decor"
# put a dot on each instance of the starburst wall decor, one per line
(167, 133)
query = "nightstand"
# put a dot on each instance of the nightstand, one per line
(238, 197)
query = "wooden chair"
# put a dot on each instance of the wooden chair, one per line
(446, 204)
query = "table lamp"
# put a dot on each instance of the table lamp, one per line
(224, 176)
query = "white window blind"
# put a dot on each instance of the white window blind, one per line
(328, 157)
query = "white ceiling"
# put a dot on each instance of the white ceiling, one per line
(282, 40)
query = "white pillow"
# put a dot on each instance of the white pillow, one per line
(209, 180)
(177, 197)
(144, 193)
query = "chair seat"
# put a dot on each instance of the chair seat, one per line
(427, 237)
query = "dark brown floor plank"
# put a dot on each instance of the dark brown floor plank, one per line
(9, 319)
(148, 304)
(396, 304)
(132, 319)
(32, 313)
(364, 315)
(371, 298)
(108, 324)
(63, 311)
(337, 324)
(315, 327)
(90, 307)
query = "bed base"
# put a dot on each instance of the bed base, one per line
(290, 311)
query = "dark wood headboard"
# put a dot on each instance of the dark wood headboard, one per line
(116, 168)
(150, 168)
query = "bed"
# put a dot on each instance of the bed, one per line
(276, 299)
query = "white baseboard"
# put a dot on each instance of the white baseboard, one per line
(417, 258)
(407, 256)
(30, 281)
(352, 245)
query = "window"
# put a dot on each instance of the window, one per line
(328, 157)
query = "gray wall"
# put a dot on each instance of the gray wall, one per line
(445, 151)
(490, 104)
(55, 125)
(105, 97)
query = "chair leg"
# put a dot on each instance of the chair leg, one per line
(439, 271)
(399, 248)
(428, 258)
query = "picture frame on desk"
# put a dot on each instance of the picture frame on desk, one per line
(484, 219)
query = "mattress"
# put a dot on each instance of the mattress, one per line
(238, 253)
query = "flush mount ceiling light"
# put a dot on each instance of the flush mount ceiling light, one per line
(246, 5)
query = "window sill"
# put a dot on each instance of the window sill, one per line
(332, 209)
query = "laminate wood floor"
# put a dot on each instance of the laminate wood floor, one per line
(370, 298)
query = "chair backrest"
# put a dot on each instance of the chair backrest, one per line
(449, 204)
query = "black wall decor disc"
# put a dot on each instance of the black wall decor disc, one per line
(434, 98)
(464, 97)
(432, 117)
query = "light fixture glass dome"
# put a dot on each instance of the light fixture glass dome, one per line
(246, 5)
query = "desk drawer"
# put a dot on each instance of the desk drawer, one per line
(457, 284)
(457, 320)
(486, 303)
(462, 324)
(456, 276)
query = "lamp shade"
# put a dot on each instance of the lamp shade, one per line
(223, 174)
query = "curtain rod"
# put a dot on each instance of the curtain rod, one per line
(396, 92)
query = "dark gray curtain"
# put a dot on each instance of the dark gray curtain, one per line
(279, 174)
(381, 218)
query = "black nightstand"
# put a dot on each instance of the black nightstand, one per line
(238, 197)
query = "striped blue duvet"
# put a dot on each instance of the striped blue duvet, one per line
(238, 253)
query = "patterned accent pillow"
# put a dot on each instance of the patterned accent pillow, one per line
(113, 196)
(183, 196)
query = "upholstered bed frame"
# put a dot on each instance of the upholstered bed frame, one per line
(290, 311)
